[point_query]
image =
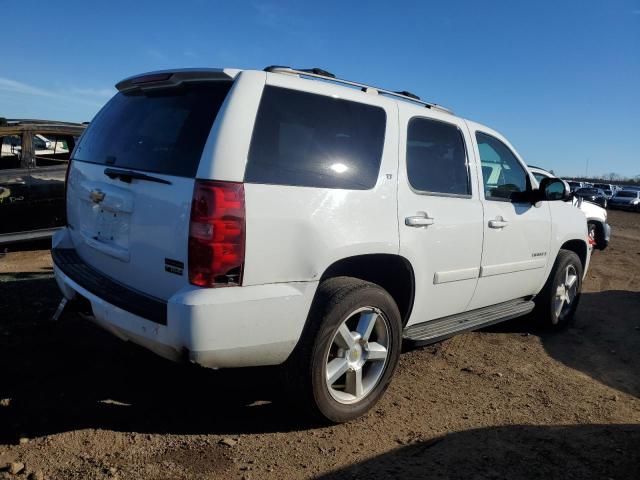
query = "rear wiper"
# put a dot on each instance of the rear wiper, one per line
(128, 175)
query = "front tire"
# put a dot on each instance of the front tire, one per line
(349, 350)
(557, 303)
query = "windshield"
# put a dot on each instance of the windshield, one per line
(588, 191)
(158, 130)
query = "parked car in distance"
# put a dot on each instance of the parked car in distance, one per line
(591, 194)
(573, 185)
(607, 188)
(287, 217)
(596, 216)
(626, 200)
(33, 162)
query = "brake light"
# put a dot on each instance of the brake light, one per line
(154, 77)
(217, 234)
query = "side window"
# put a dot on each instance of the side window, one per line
(436, 158)
(502, 173)
(311, 140)
(51, 149)
(11, 152)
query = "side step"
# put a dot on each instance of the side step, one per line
(439, 329)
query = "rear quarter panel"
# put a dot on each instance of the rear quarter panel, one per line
(295, 233)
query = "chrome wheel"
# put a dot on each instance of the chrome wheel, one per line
(357, 355)
(565, 294)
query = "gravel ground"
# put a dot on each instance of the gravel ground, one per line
(510, 401)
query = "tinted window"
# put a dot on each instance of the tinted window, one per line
(588, 191)
(436, 158)
(161, 130)
(315, 141)
(502, 173)
(11, 151)
(626, 194)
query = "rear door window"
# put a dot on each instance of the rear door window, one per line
(157, 130)
(310, 140)
(436, 158)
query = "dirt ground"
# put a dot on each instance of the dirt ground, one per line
(507, 402)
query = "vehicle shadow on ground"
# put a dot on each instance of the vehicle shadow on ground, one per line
(603, 342)
(519, 451)
(71, 375)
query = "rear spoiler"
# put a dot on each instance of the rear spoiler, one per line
(169, 78)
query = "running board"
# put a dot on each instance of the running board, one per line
(439, 329)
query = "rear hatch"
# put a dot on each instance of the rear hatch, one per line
(131, 178)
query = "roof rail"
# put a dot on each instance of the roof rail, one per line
(22, 121)
(330, 77)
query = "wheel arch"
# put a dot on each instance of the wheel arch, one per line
(600, 232)
(392, 272)
(579, 247)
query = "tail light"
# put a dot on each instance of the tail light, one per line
(217, 234)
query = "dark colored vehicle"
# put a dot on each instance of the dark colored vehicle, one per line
(607, 188)
(626, 200)
(573, 185)
(595, 195)
(34, 156)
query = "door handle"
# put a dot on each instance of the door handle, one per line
(498, 222)
(422, 220)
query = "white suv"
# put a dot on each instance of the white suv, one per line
(241, 218)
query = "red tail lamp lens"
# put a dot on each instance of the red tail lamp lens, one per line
(217, 234)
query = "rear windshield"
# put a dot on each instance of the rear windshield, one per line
(162, 131)
(304, 139)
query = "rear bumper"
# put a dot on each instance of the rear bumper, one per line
(217, 328)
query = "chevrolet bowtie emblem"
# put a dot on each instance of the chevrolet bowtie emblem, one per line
(96, 196)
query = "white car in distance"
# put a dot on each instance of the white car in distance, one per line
(599, 228)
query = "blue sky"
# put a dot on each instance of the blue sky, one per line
(560, 79)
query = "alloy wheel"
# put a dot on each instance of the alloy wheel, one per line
(358, 355)
(565, 294)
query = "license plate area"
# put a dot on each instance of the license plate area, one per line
(112, 227)
(105, 217)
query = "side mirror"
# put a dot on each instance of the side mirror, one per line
(553, 189)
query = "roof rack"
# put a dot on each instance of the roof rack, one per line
(330, 77)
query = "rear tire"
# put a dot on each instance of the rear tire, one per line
(348, 352)
(557, 302)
